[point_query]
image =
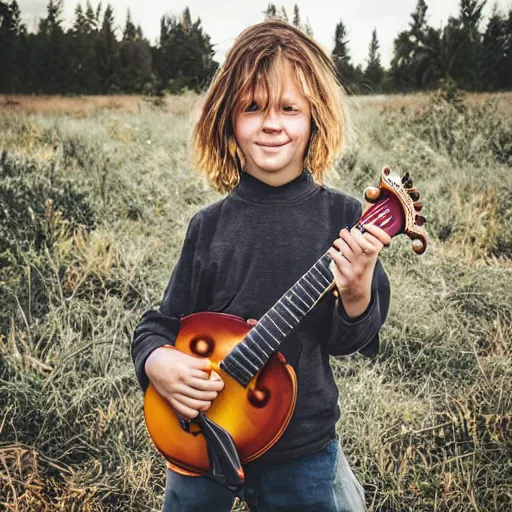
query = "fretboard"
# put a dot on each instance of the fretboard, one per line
(263, 340)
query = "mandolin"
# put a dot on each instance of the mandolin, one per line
(260, 388)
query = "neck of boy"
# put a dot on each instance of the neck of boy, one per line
(255, 190)
(278, 178)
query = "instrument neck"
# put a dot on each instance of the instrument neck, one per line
(260, 343)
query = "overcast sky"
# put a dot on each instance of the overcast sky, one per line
(224, 20)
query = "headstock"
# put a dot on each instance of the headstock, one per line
(396, 208)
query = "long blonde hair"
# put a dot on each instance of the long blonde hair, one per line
(257, 55)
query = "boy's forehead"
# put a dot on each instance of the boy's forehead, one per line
(285, 87)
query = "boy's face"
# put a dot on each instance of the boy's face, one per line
(274, 143)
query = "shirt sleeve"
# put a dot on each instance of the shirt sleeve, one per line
(361, 334)
(159, 327)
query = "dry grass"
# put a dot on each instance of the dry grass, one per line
(93, 210)
(80, 106)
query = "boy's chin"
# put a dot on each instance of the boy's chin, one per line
(273, 167)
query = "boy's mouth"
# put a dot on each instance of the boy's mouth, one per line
(272, 145)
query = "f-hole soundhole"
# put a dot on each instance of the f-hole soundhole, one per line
(202, 346)
(259, 397)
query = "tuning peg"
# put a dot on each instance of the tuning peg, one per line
(372, 194)
(418, 206)
(414, 194)
(420, 220)
(418, 246)
(407, 180)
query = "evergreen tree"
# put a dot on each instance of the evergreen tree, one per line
(130, 31)
(92, 17)
(11, 29)
(184, 58)
(494, 47)
(135, 60)
(282, 14)
(374, 72)
(341, 58)
(186, 19)
(270, 11)
(507, 68)
(307, 28)
(440, 53)
(408, 49)
(107, 53)
(296, 16)
(468, 65)
(83, 35)
(52, 58)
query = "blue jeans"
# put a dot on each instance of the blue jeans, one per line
(320, 482)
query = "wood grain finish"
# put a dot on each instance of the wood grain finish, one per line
(255, 416)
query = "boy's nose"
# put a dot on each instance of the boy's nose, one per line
(271, 120)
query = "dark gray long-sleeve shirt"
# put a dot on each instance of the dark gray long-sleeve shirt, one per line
(239, 256)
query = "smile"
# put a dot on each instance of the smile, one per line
(272, 146)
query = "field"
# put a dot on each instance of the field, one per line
(95, 197)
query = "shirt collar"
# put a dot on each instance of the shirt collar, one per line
(253, 189)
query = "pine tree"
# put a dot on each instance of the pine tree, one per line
(184, 59)
(296, 16)
(494, 51)
(107, 53)
(408, 51)
(270, 11)
(282, 13)
(186, 20)
(440, 53)
(341, 57)
(52, 64)
(374, 72)
(91, 17)
(10, 47)
(130, 31)
(468, 65)
(307, 28)
(507, 68)
(135, 73)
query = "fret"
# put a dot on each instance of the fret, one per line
(251, 355)
(242, 374)
(238, 351)
(266, 342)
(256, 344)
(313, 292)
(300, 298)
(270, 318)
(289, 298)
(274, 308)
(280, 303)
(275, 339)
(322, 275)
(294, 293)
(322, 286)
(246, 345)
(325, 261)
(309, 307)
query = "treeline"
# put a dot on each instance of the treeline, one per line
(464, 53)
(92, 58)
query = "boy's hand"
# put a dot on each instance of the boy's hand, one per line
(183, 380)
(354, 257)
